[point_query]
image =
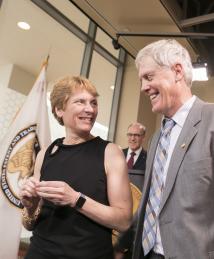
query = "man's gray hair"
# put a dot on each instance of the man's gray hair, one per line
(141, 127)
(167, 52)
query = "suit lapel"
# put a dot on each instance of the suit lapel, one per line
(140, 162)
(188, 132)
(125, 151)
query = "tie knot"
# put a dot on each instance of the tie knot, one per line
(133, 153)
(168, 124)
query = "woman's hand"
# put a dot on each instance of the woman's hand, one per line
(58, 192)
(28, 195)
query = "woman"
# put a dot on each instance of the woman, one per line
(80, 188)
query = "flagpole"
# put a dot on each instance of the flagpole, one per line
(45, 63)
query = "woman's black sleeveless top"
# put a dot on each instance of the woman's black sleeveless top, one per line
(61, 231)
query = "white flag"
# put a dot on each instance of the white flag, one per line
(28, 132)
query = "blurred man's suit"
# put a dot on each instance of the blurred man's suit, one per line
(140, 163)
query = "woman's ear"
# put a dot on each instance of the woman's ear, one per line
(179, 74)
(59, 112)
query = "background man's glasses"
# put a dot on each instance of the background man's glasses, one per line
(129, 135)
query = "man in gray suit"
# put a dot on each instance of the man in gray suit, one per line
(176, 214)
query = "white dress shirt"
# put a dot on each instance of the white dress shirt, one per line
(137, 153)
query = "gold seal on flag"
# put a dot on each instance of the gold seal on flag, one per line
(18, 163)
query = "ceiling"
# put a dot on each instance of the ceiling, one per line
(153, 19)
(28, 49)
(195, 16)
(187, 20)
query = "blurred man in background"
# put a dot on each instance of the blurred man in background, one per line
(135, 154)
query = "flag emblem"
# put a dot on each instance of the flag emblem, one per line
(27, 133)
(18, 163)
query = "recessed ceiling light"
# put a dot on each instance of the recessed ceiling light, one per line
(112, 87)
(24, 25)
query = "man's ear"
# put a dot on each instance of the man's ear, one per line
(179, 73)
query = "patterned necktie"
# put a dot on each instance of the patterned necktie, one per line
(157, 184)
(130, 162)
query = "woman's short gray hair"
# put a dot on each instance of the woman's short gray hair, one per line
(168, 52)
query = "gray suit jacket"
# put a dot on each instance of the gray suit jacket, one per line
(187, 207)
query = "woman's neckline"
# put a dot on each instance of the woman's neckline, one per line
(74, 143)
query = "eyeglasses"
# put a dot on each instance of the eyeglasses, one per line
(129, 135)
